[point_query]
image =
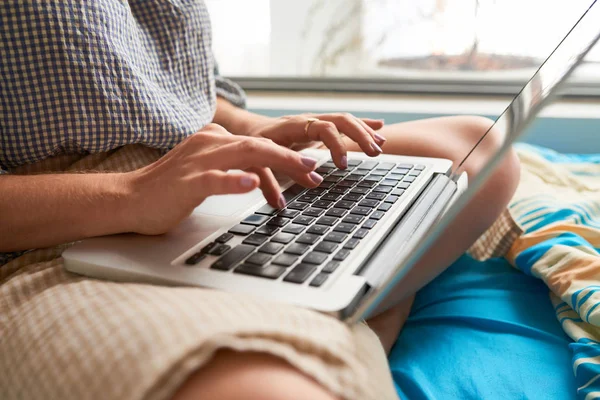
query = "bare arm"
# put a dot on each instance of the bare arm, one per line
(45, 210)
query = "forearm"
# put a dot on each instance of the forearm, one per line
(45, 210)
(236, 120)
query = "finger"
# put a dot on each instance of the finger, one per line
(215, 182)
(251, 153)
(379, 139)
(269, 187)
(328, 133)
(375, 124)
(350, 126)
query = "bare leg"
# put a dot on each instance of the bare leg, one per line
(250, 376)
(451, 138)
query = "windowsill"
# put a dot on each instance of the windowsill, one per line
(411, 104)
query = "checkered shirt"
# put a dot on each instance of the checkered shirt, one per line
(85, 77)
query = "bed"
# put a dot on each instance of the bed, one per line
(522, 326)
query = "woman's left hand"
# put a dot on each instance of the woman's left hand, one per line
(328, 128)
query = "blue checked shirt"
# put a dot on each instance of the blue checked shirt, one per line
(80, 76)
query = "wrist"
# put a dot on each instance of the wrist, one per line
(237, 120)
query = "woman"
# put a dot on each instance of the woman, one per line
(129, 91)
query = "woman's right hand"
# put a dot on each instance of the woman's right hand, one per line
(168, 190)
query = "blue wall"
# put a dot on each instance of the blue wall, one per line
(568, 135)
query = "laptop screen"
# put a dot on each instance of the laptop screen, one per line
(537, 93)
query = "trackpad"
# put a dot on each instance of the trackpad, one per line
(228, 205)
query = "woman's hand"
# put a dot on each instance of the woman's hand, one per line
(168, 190)
(328, 128)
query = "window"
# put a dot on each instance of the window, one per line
(457, 46)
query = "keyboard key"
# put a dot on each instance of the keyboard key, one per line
(278, 221)
(373, 178)
(369, 203)
(398, 192)
(353, 219)
(352, 197)
(379, 172)
(329, 164)
(386, 166)
(209, 247)
(377, 215)
(330, 267)
(354, 177)
(196, 258)
(300, 273)
(346, 183)
(329, 221)
(267, 230)
(414, 173)
(285, 260)
(297, 248)
(232, 257)
(332, 178)
(367, 184)
(409, 179)
(255, 219)
(292, 192)
(351, 243)
(368, 165)
(284, 238)
(389, 182)
(419, 167)
(391, 199)
(403, 185)
(341, 255)
(269, 272)
(345, 228)
(402, 171)
(331, 196)
(396, 177)
(382, 189)
(404, 166)
(376, 196)
(359, 190)
(336, 212)
(308, 238)
(313, 212)
(326, 185)
(384, 207)
(224, 238)
(361, 233)
(288, 213)
(369, 224)
(340, 173)
(322, 204)
(339, 190)
(318, 280)
(316, 192)
(240, 229)
(344, 204)
(303, 220)
(314, 257)
(296, 205)
(326, 247)
(336, 237)
(323, 170)
(255, 239)
(267, 210)
(271, 248)
(361, 210)
(361, 172)
(258, 258)
(318, 229)
(307, 198)
(354, 163)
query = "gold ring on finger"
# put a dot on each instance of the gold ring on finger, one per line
(309, 121)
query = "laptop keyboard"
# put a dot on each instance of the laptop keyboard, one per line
(318, 229)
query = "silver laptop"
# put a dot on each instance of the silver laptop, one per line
(342, 247)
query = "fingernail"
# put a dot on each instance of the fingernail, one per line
(309, 162)
(344, 162)
(382, 120)
(380, 138)
(316, 178)
(247, 182)
(281, 203)
(375, 147)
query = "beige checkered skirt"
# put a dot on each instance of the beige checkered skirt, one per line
(64, 336)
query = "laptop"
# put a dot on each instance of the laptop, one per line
(340, 248)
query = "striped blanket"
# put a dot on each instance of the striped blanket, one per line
(557, 205)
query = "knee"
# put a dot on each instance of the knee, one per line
(250, 376)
